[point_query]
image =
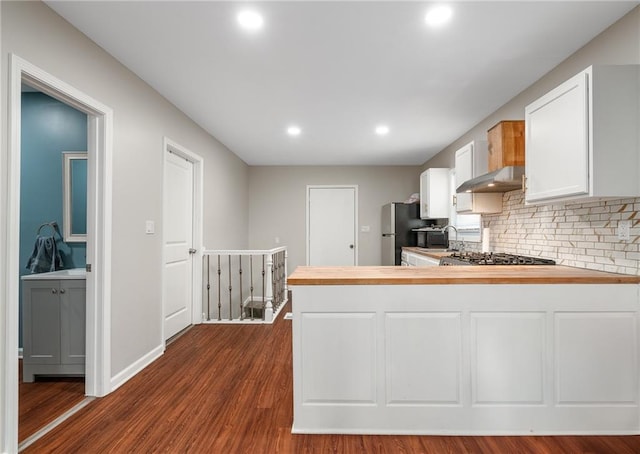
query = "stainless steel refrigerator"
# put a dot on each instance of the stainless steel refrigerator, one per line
(397, 221)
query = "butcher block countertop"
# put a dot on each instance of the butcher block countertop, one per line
(436, 275)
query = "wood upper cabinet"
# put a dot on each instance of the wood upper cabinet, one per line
(582, 138)
(506, 144)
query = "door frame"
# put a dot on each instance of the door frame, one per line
(99, 229)
(355, 218)
(169, 146)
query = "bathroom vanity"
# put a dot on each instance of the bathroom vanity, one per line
(53, 323)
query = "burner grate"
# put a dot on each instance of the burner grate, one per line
(492, 258)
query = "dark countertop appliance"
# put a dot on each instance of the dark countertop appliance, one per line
(432, 237)
(492, 258)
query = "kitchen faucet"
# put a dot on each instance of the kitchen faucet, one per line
(455, 230)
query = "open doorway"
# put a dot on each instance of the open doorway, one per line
(52, 293)
(98, 245)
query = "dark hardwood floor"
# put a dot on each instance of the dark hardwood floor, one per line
(44, 400)
(228, 389)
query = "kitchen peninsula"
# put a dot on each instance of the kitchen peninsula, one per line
(465, 350)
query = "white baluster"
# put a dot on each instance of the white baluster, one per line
(286, 291)
(268, 308)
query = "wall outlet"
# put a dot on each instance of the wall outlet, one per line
(623, 230)
(149, 227)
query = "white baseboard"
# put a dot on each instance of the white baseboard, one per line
(131, 371)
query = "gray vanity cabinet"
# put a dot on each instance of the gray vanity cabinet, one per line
(53, 327)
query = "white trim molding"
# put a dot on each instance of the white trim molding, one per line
(129, 372)
(99, 201)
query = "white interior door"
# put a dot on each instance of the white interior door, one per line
(178, 244)
(331, 226)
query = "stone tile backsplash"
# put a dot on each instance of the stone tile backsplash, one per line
(579, 234)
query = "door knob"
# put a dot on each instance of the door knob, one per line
(61, 290)
(351, 246)
(192, 251)
(53, 290)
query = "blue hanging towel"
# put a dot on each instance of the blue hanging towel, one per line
(45, 256)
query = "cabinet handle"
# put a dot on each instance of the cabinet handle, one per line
(61, 290)
(53, 290)
(455, 200)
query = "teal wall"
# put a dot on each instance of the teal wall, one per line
(49, 127)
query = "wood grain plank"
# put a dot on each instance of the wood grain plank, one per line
(44, 400)
(229, 389)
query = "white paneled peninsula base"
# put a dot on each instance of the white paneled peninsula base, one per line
(439, 350)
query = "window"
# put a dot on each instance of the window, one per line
(469, 225)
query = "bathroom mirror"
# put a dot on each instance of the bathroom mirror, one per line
(74, 200)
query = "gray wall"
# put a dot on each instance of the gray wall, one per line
(277, 204)
(141, 118)
(619, 44)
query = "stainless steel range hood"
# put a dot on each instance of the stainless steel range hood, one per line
(501, 180)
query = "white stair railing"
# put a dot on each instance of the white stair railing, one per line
(244, 286)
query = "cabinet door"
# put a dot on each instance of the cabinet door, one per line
(72, 321)
(464, 172)
(424, 196)
(434, 193)
(557, 142)
(427, 261)
(412, 259)
(506, 144)
(41, 322)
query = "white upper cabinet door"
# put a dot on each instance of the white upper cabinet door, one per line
(581, 137)
(434, 193)
(464, 172)
(557, 142)
(471, 161)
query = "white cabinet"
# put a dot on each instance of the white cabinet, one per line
(472, 161)
(427, 261)
(581, 137)
(413, 259)
(434, 193)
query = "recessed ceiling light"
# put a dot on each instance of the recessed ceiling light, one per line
(294, 130)
(438, 15)
(250, 20)
(382, 130)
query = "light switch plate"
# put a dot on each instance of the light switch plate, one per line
(150, 228)
(365, 228)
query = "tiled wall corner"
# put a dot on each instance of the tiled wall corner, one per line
(583, 235)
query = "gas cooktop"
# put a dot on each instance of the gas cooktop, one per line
(492, 258)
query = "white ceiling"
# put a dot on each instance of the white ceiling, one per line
(337, 69)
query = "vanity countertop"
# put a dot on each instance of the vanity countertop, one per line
(74, 273)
